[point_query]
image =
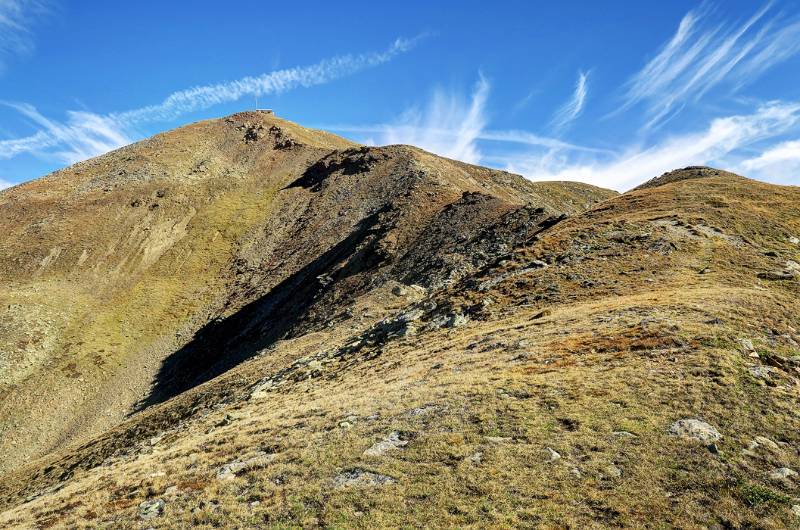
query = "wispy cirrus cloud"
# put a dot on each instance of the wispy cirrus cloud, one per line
(570, 111)
(403, 132)
(704, 54)
(449, 126)
(85, 134)
(779, 162)
(712, 145)
(455, 126)
(81, 136)
(452, 125)
(16, 19)
(271, 83)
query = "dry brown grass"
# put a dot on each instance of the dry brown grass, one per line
(642, 327)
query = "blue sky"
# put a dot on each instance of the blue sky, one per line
(611, 93)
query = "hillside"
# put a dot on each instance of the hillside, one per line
(246, 323)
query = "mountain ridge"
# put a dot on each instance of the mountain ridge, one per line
(366, 337)
(206, 177)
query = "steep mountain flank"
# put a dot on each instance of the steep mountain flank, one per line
(134, 276)
(378, 337)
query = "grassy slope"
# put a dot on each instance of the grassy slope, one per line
(125, 278)
(111, 265)
(634, 324)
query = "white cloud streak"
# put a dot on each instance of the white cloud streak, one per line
(570, 111)
(82, 136)
(85, 134)
(271, 83)
(780, 162)
(404, 132)
(16, 18)
(449, 126)
(454, 126)
(723, 137)
(702, 56)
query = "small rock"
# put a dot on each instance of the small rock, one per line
(422, 411)
(456, 320)
(361, 478)
(625, 434)
(407, 329)
(762, 372)
(695, 429)
(521, 344)
(796, 510)
(410, 315)
(476, 458)
(262, 389)
(541, 314)
(231, 469)
(763, 441)
(747, 345)
(390, 443)
(575, 471)
(151, 509)
(497, 439)
(612, 471)
(225, 420)
(775, 276)
(794, 241)
(783, 473)
(228, 471)
(399, 290)
(552, 454)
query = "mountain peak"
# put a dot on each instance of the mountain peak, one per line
(686, 173)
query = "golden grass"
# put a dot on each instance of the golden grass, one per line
(593, 357)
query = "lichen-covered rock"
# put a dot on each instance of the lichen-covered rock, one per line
(390, 443)
(361, 478)
(151, 509)
(694, 429)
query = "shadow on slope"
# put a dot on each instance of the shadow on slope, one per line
(224, 343)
